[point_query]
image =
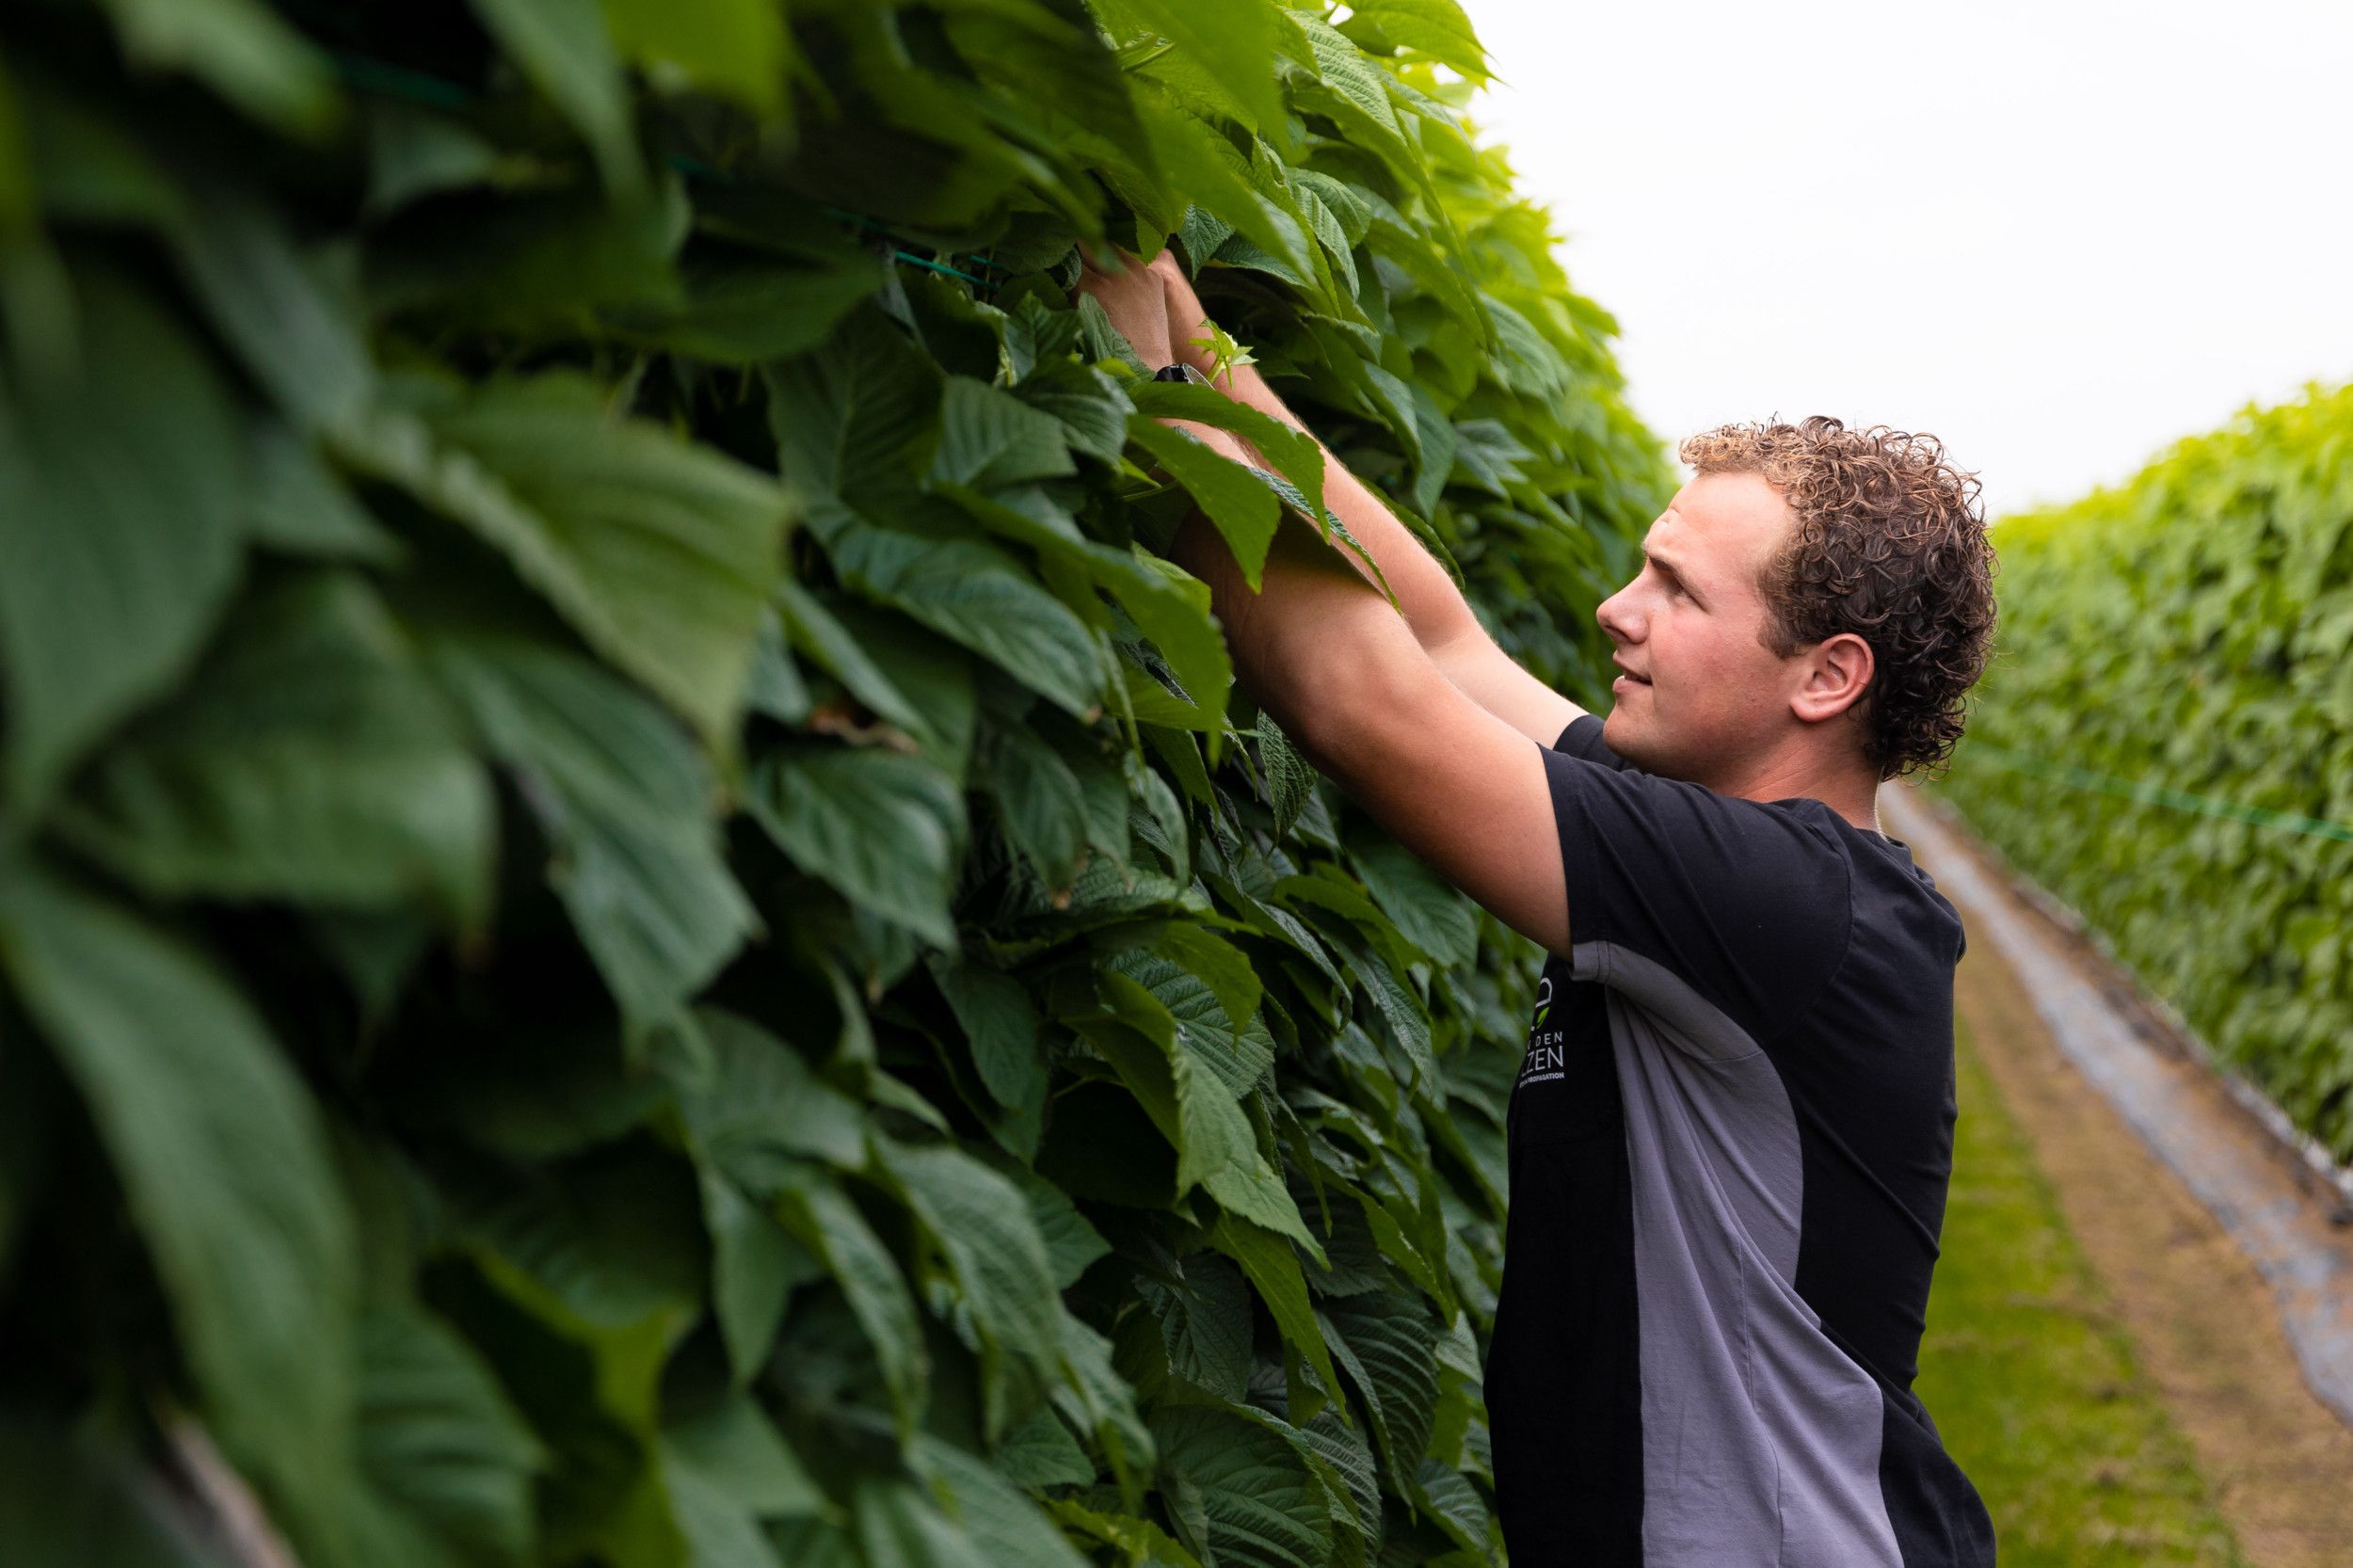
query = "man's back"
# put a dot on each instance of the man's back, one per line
(1730, 1142)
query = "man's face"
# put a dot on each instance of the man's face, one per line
(1714, 696)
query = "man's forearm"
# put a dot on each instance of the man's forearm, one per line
(1434, 607)
(1282, 653)
(1314, 644)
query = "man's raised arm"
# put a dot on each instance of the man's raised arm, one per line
(1441, 620)
(1321, 650)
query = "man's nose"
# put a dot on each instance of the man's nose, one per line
(1611, 614)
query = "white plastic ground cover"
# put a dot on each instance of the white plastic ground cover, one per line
(2226, 1163)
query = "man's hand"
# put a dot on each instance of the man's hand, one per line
(1136, 301)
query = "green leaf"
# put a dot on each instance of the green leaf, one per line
(988, 438)
(727, 1468)
(1038, 800)
(563, 47)
(751, 1273)
(1388, 1346)
(1169, 604)
(306, 347)
(1436, 29)
(976, 595)
(1288, 779)
(1040, 1452)
(622, 796)
(858, 417)
(1294, 451)
(882, 827)
(1232, 42)
(115, 570)
(736, 1448)
(310, 759)
(900, 1526)
(239, 48)
(1274, 1270)
(582, 1350)
(448, 1462)
(1004, 1526)
(660, 552)
(821, 1218)
(224, 1166)
(1072, 1245)
(1000, 1028)
(302, 508)
(758, 1110)
(1428, 910)
(1244, 510)
(1204, 1323)
(1265, 1508)
(982, 1224)
(739, 51)
(1169, 959)
(1194, 1111)
(1199, 164)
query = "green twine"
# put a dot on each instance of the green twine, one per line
(2157, 794)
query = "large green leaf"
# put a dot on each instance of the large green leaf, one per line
(1274, 1270)
(310, 759)
(1387, 1345)
(727, 1469)
(622, 795)
(240, 49)
(659, 552)
(1246, 512)
(821, 1215)
(990, 438)
(563, 46)
(732, 48)
(224, 1164)
(1003, 1524)
(1205, 1322)
(854, 418)
(116, 568)
(982, 1224)
(447, 1461)
(1428, 911)
(882, 827)
(757, 1109)
(1000, 1028)
(1264, 1507)
(978, 596)
(297, 337)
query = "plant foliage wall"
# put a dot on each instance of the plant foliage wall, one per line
(2189, 631)
(636, 924)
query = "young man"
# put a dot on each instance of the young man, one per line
(1732, 1129)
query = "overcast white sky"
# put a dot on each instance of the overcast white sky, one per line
(2059, 235)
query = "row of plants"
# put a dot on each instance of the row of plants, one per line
(637, 924)
(2167, 728)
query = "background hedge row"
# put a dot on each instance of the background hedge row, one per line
(2190, 630)
(634, 925)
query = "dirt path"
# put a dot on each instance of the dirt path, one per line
(2206, 1323)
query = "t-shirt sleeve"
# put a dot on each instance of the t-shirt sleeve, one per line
(1745, 902)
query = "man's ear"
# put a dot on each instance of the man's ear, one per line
(1836, 674)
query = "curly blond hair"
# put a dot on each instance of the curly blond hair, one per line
(1889, 543)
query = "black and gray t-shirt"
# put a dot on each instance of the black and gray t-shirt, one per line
(1730, 1141)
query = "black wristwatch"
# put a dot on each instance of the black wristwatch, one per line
(1180, 372)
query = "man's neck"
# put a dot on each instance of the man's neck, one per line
(1854, 794)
